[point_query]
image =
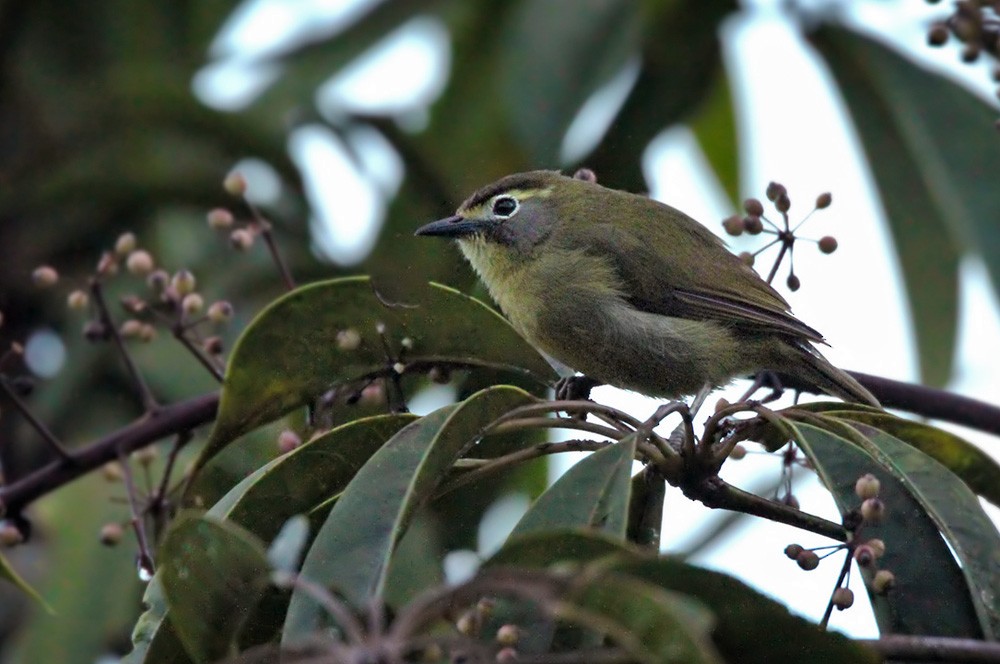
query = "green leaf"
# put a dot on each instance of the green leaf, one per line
(541, 549)
(213, 574)
(931, 145)
(714, 125)
(931, 596)
(749, 627)
(645, 508)
(416, 562)
(549, 66)
(651, 624)
(314, 472)
(263, 384)
(8, 573)
(154, 639)
(957, 513)
(353, 550)
(976, 468)
(594, 493)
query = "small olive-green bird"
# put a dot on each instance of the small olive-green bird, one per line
(630, 291)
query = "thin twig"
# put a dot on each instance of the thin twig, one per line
(264, 228)
(395, 396)
(138, 523)
(157, 501)
(935, 649)
(491, 466)
(777, 261)
(715, 421)
(50, 438)
(181, 335)
(555, 423)
(149, 402)
(840, 581)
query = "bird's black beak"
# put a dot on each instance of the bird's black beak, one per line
(454, 226)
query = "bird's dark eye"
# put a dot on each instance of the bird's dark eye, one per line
(504, 206)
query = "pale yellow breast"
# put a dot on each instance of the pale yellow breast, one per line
(508, 280)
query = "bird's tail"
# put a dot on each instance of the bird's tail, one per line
(815, 369)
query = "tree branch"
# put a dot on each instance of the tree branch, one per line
(716, 493)
(935, 649)
(932, 402)
(176, 418)
(920, 400)
(165, 421)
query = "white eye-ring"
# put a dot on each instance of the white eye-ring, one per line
(504, 206)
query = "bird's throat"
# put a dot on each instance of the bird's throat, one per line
(503, 272)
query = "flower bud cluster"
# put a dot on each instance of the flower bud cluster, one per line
(753, 222)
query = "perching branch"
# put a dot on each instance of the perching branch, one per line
(933, 403)
(173, 419)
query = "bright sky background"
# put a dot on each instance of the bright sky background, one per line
(799, 137)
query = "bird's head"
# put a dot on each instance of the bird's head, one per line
(513, 214)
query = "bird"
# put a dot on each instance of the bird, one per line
(630, 291)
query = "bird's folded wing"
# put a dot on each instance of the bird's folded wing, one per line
(713, 284)
(741, 314)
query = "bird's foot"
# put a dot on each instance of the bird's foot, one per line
(575, 388)
(765, 379)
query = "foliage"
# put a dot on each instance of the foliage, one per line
(333, 548)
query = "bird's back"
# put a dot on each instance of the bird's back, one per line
(670, 264)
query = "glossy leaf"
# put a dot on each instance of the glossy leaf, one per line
(645, 509)
(651, 624)
(213, 574)
(416, 562)
(594, 493)
(931, 596)
(957, 513)
(549, 66)
(976, 468)
(261, 383)
(544, 548)
(307, 476)
(750, 628)
(929, 141)
(353, 549)
(154, 639)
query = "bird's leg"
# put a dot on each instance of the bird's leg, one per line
(765, 379)
(575, 388)
(699, 399)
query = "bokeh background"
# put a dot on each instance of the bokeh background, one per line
(355, 121)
